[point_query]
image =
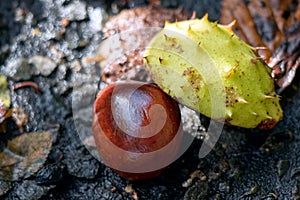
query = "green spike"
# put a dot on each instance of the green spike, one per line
(254, 113)
(270, 97)
(241, 100)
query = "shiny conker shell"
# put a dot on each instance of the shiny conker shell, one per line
(137, 129)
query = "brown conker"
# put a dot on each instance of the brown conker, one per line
(137, 129)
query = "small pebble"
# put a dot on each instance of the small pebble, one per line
(283, 166)
(44, 65)
(97, 17)
(76, 11)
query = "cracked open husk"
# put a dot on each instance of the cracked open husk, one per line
(206, 67)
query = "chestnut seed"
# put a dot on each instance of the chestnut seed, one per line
(137, 129)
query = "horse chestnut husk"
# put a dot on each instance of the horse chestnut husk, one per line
(137, 129)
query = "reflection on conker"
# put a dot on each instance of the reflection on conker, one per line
(137, 129)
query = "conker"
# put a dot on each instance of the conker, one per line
(137, 129)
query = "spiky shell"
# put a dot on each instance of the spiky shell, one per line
(206, 67)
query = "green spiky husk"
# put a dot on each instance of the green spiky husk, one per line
(183, 58)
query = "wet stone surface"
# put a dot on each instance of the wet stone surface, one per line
(246, 164)
(28, 189)
(4, 187)
(51, 174)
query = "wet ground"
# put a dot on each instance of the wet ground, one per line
(245, 164)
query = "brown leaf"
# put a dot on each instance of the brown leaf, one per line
(265, 22)
(271, 23)
(241, 13)
(131, 23)
(24, 155)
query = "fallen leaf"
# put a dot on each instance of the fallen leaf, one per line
(273, 25)
(24, 155)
